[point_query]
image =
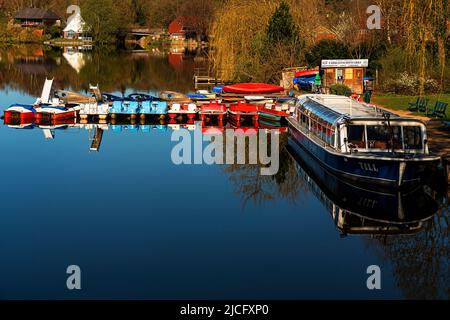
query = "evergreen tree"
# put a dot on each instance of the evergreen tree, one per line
(282, 27)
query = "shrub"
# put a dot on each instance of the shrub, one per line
(409, 85)
(53, 31)
(432, 86)
(340, 90)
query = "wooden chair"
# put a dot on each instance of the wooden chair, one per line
(414, 106)
(420, 105)
(423, 105)
(439, 110)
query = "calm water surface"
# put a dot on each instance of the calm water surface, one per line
(141, 227)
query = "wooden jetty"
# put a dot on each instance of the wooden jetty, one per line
(97, 139)
(208, 81)
(204, 78)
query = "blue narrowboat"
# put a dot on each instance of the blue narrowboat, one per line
(356, 210)
(360, 142)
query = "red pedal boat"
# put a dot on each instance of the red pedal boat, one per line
(22, 112)
(213, 109)
(274, 112)
(243, 109)
(189, 109)
(250, 88)
(58, 112)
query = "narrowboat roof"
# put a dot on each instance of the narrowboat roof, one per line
(332, 108)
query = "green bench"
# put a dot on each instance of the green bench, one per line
(420, 105)
(438, 111)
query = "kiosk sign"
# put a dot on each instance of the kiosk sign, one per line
(346, 63)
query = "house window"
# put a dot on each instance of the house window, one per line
(348, 74)
(71, 34)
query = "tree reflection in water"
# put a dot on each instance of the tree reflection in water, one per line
(420, 260)
(251, 186)
(24, 68)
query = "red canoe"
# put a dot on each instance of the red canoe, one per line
(250, 88)
(306, 73)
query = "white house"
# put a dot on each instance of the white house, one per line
(76, 28)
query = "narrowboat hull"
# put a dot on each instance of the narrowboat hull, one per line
(364, 211)
(365, 169)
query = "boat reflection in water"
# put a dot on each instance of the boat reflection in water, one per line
(359, 211)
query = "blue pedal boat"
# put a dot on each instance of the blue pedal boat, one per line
(107, 97)
(118, 128)
(147, 128)
(153, 107)
(124, 108)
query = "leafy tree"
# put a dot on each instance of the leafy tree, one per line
(103, 17)
(327, 49)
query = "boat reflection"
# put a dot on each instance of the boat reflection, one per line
(359, 211)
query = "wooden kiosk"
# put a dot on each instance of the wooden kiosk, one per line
(348, 72)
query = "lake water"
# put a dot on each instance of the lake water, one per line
(141, 227)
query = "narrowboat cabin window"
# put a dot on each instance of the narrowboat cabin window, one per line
(356, 137)
(412, 137)
(384, 137)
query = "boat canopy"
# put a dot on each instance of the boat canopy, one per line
(333, 108)
(312, 107)
(25, 106)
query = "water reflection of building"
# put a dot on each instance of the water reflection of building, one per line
(182, 58)
(34, 62)
(358, 211)
(75, 57)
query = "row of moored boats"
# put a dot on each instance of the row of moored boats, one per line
(237, 102)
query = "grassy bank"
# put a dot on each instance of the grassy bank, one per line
(400, 102)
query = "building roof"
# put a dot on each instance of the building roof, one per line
(183, 25)
(36, 14)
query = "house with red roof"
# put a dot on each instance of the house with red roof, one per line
(183, 28)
